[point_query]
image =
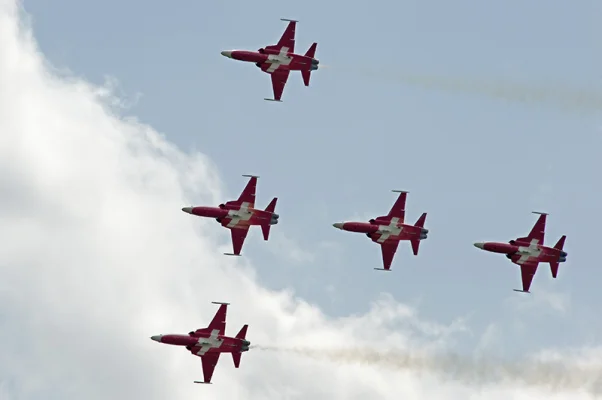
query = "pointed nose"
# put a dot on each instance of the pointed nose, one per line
(479, 245)
(187, 210)
(338, 225)
(227, 54)
(157, 338)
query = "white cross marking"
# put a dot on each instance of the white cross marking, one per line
(389, 230)
(208, 343)
(244, 214)
(527, 252)
(278, 59)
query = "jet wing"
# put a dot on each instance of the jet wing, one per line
(239, 234)
(247, 197)
(286, 44)
(527, 272)
(388, 249)
(218, 323)
(399, 208)
(537, 232)
(209, 362)
(279, 77)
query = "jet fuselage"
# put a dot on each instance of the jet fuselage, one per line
(250, 216)
(401, 231)
(290, 61)
(541, 253)
(221, 344)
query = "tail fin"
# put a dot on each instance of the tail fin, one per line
(266, 228)
(560, 244)
(237, 355)
(554, 265)
(311, 52)
(416, 242)
(421, 221)
(242, 333)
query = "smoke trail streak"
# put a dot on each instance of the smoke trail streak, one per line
(475, 371)
(568, 99)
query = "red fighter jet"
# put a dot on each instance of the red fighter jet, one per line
(208, 343)
(279, 59)
(239, 215)
(528, 252)
(389, 230)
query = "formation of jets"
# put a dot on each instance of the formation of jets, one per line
(387, 231)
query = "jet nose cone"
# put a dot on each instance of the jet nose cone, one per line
(479, 245)
(187, 210)
(227, 54)
(157, 338)
(338, 225)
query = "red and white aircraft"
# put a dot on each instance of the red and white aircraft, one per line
(528, 252)
(239, 215)
(390, 229)
(279, 59)
(208, 343)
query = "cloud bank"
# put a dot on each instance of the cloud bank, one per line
(96, 256)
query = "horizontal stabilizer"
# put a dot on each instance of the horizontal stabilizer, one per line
(251, 176)
(279, 101)
(415, 246)
(554, 268)
(205, 383)
(521, 291)
(399, 191)
(288, 20)
(236, 358)
(382, 269)
(306, 75)
(232, 254)
(221, 303)
(540, 212)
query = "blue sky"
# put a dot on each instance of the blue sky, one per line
(332, 152)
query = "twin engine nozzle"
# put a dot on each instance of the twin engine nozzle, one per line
(274, 219)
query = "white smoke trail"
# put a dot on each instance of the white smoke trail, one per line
(566, 98)
(475, 371)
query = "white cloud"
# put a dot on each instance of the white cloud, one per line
(96, 256)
